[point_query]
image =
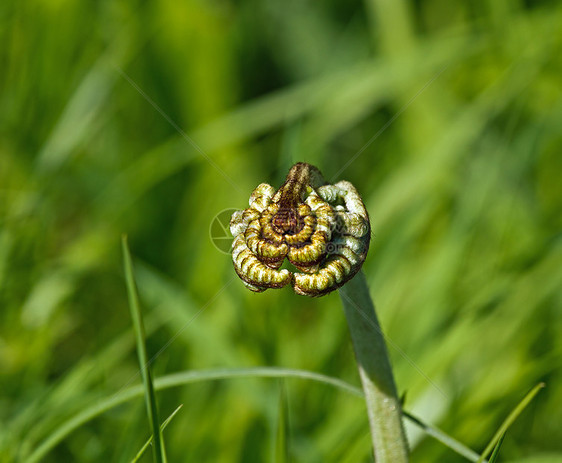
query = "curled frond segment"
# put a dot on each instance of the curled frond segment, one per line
(323, 231)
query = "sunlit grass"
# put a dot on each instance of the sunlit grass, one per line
(463, 191)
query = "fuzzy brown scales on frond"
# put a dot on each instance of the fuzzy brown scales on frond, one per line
(323, 230)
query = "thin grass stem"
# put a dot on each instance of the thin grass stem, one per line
(150, 439)
(509, 420)
(150, 396)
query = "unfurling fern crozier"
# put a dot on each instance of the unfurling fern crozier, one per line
(322, 230)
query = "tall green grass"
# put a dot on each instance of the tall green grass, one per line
(463, 190)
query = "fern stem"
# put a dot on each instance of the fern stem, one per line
(383, 406)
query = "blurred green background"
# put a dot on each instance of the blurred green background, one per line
(452, 115)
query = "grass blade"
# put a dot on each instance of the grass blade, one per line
(445, 439)
(509, 421)
(192, 376)
(496, 452)
(136, 315)
(147, 443)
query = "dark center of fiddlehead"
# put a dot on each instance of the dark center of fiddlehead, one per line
(287, 222)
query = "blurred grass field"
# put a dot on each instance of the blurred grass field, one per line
(451, 113)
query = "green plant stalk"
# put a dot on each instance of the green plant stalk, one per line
(383, 405)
